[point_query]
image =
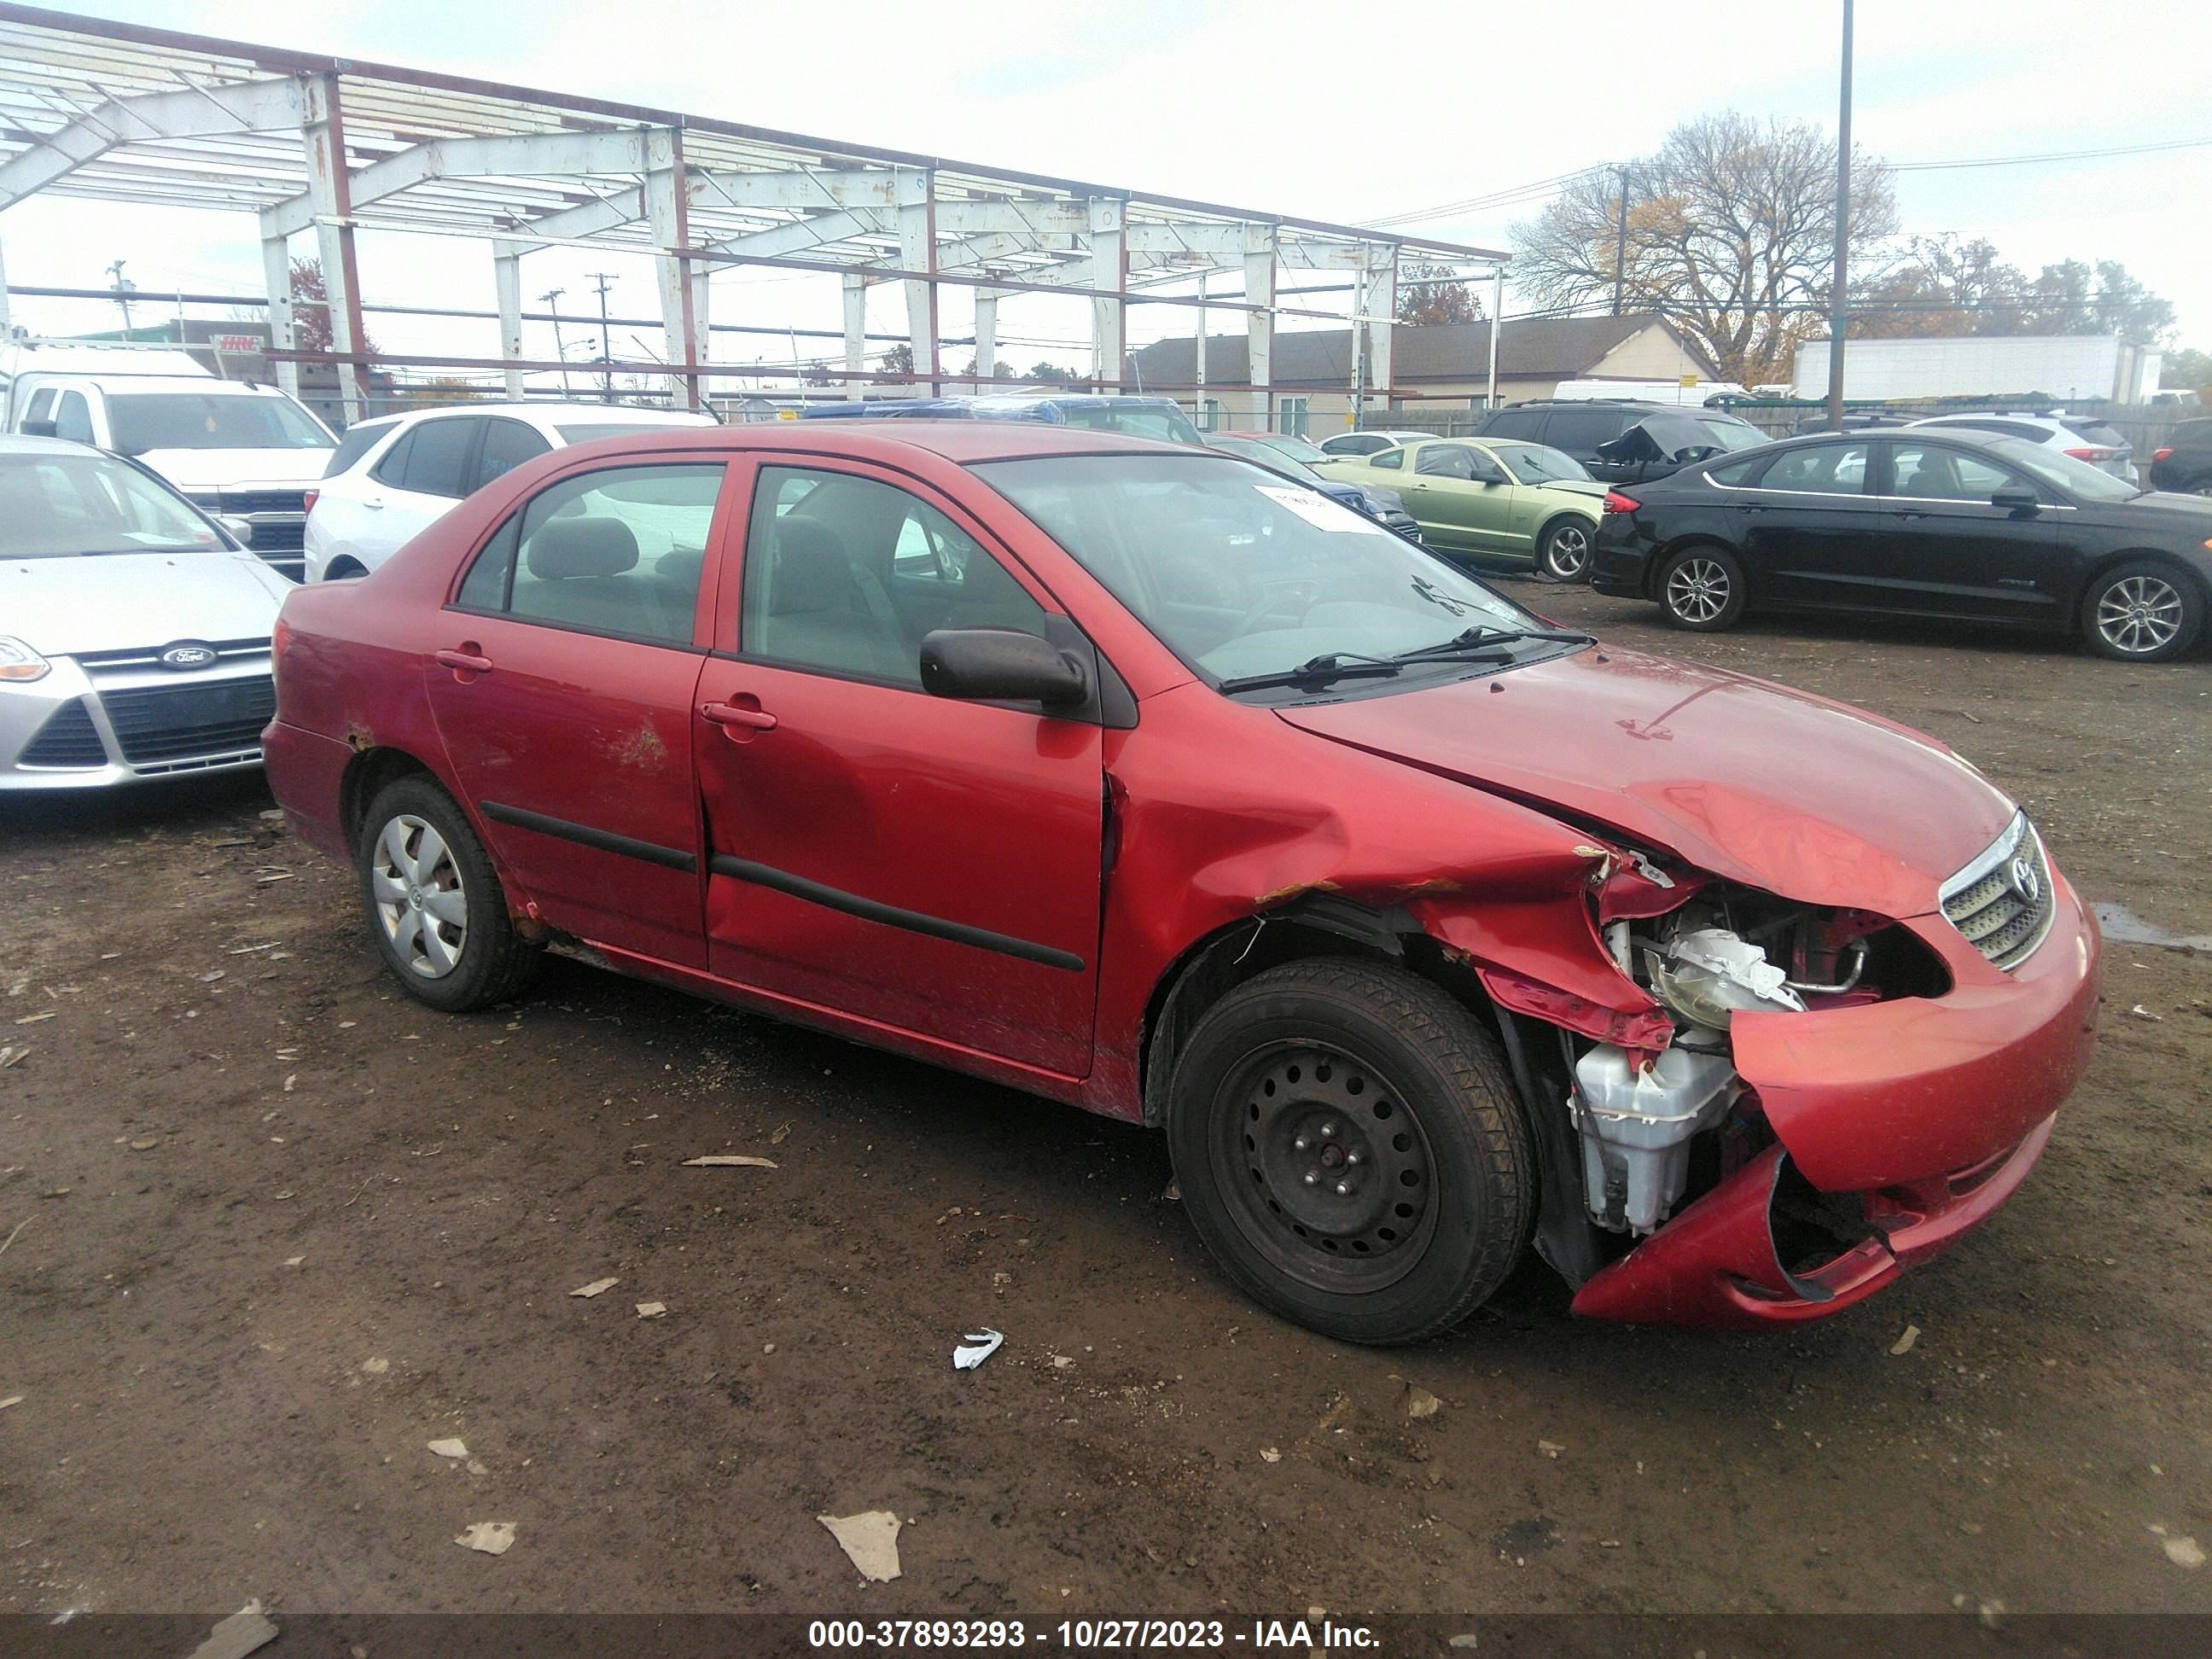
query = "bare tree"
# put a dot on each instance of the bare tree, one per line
(1430, 293)
(1730, 236)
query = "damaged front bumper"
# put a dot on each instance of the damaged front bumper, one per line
(1902, 1124)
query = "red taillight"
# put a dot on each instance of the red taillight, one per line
(2161, 454)
(307, 500)
(1617, 502)
(2092, 454)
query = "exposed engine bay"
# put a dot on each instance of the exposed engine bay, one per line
(1643, 1116)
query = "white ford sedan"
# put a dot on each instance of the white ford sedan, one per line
(134, 630)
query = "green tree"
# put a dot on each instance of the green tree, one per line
(1944, 287)
(1730, 236)
(2191, 370)
(1051, 373)
(2074, 297)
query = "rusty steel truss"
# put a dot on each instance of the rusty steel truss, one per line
(324, 147)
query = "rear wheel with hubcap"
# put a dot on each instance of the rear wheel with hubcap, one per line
(1562, 553)
(2142, 611)
(1702, 589)
(1349, 1147)
(435, 903)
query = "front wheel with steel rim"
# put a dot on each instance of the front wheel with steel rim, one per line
(2142, 611)
(434, 904)
(1702, 589)
(1562, 553)
(1349, 1148)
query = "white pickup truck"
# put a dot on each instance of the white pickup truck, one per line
(236, 448)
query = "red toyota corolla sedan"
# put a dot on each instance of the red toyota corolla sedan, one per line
(1141, 778)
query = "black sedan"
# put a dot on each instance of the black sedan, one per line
(1386, 506)
(1912, 522)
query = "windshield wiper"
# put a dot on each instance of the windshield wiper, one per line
(1317, 671)
(1481, 638)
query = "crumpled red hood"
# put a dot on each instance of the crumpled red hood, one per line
(1751, 781)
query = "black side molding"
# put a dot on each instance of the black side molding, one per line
(583, 834)
(914, 922)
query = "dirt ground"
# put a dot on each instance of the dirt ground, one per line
(273, 1228)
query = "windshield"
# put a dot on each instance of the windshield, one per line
(1239, 571)
(1170, 424)
(60, 505)
(143, 420)
(2063, 471)
(1297, 449)
(1541, 464)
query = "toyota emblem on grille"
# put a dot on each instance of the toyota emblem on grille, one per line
(2026, 881)
(186, 655)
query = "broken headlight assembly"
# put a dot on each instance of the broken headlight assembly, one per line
(1728, 951)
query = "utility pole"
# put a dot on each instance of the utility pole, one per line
(1620, 244)
(605, 280)
(551, 297)
(123, 290)
(1839, 300)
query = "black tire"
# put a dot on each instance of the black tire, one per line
(1349, 1147)
(2142, 611)
(488, 961)
(1563, 551)
(1702, 589)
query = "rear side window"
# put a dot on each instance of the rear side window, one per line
(357, 442)
(1444, 461)
(1390, 459)
(1515, 423)
(1580, 431)
(1738, 475)
(618, 551)
(1820, 470)
(436, 461)
(507, 445)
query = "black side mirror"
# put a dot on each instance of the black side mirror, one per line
(991, 664)
(37, 429)
(2014, 499)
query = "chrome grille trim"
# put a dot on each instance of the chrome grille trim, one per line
(1987, 904)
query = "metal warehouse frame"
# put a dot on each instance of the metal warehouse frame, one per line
(121, 112)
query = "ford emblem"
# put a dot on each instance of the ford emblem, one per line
(188, 655)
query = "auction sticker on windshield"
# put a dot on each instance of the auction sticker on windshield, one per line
(1317, 510)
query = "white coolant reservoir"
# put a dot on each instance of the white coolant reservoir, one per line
(1636, 1126)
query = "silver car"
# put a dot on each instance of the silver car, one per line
(134, 630)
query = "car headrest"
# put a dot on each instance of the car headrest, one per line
(812, 572)
(561, 548)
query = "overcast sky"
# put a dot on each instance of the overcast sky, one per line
(1325, 110)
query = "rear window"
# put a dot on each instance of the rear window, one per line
(2098, 433)
(357, 442)
(1515, 423)
(1732, 435)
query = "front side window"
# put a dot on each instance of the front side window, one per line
(144, 421)
(618, 551)
(1240, 571)
(1933, 473)
(1819, 469)
(845, 574)
(73, 420)
(59, 504)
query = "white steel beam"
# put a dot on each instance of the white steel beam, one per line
(322, 133)
(917, 202)
(667, 201)
(1379, 300)
(803, 235)
(523, 155)
(986, 332)
(507, 278)
(856, 328)
(274, 105)
(1109, 263)
(1260, 326)
(588, 219)
(276, 278)
(800, 189)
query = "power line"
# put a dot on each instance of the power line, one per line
(1507, 198)
(2050, 155)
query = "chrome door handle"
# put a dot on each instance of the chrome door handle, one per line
(729, 717)
(463, 662)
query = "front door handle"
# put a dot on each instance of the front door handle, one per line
(734, 719)
(465, 660)
(373, 503)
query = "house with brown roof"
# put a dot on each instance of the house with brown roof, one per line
(1445, 362)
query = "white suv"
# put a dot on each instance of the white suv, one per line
(390, 478)
(235, 448)
(2079, 435)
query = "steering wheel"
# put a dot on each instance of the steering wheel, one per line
(1278, 594)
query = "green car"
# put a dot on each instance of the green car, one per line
(1493, 501)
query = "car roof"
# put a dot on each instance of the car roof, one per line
(964, 443)
(1964, 436)
(550, 411)
(18, 444)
